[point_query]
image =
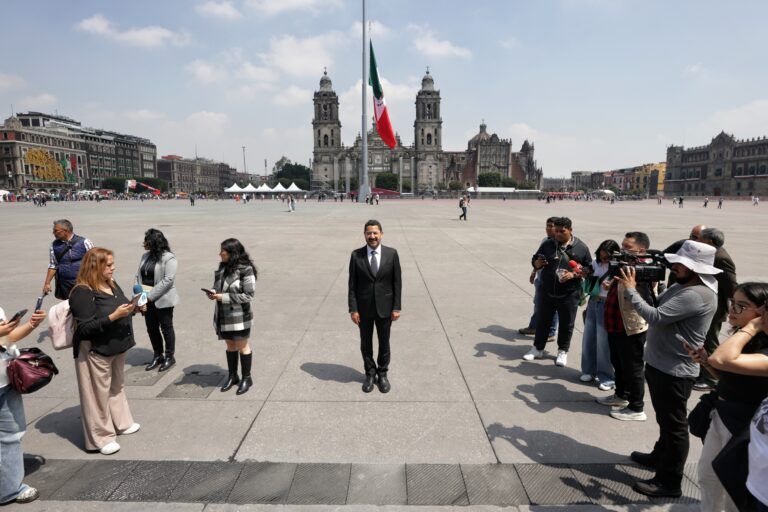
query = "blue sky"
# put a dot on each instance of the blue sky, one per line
(595, 84)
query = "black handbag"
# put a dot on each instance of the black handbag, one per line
(700, 416)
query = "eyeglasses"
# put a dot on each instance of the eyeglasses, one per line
(738, 308)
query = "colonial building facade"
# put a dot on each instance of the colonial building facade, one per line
(195, 174)
(425, 163)
(724, 167)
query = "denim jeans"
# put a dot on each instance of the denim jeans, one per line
(595, 353)
(12, 428)
(534, 316)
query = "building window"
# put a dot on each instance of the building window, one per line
(739, 171)
(762, 170)
(6, 150)
(752, 170)
(325, 140)
(718, 172)
(429, 139)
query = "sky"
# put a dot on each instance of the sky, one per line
(594, 84)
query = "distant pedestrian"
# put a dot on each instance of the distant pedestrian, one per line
(755, 201)
(192, 199)
(463, 207)
(233, 289)
(706, 202)
(65, 254)
(720, 204)
(680, 202)
(377, 199)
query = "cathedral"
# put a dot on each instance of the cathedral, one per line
(425, 163)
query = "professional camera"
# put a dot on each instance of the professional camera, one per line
(649, 266)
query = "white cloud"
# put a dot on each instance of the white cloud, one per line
(743, 121)
(694, 69)
(206, 73)
(145, 37)
(10, 81)
(302, 57)
(377, 31)
(205, 121)
(248, 71)
(293, 96)
(40, 102)
(221, 10)
(427, 43)
(273, 7)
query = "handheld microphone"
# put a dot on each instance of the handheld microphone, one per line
(138, 291)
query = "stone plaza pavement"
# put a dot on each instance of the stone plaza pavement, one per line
(467, 421)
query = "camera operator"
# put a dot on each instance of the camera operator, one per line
(626, 338)
(685, 308)
(563, 260)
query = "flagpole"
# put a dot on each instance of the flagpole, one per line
(363, 189)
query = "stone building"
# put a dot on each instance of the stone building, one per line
(195, 174)
(724, 167)
(425, 163)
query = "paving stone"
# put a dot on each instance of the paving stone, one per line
(322, 484)
(263, 482)
(138, 376)
(435, 484)
(493, 484)
(150, 481)
(691, 470)
(49, 476)
(609, 484)
(551, 484)
(377, 484)
(207, 482)
(691, 493)
(96, 480)
(192, 385)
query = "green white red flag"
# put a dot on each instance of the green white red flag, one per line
(383, 124)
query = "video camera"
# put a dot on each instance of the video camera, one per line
(649, 266)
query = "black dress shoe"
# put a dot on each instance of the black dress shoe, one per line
(369, 382)
(384, 385)
(167, 363)
(644, 459)
(245, 385)
(231, 381)
(156, 361)
(656, 489)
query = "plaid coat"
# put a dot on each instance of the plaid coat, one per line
(233, 313)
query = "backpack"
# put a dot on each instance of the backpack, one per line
(62, 325)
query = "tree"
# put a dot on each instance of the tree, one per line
(527, 185)
(454, 185)
(294, 172)
(489, 179)
(509, 182)
(342, 184)
(301, 183)
(280, 164)
(387, 180)
(285, 182)
(406, 185)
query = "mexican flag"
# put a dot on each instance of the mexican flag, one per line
(383, 124)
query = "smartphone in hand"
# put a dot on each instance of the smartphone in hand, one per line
(209, 291)
(685, 343)
(39, 303)
(18, 315)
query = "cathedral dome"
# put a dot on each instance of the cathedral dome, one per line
(480, 137)
(325, 82)
(427, 83)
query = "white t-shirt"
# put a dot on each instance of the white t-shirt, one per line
(3, 358)
(757, 481)
(599, 270)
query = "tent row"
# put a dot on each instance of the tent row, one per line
(263, 188)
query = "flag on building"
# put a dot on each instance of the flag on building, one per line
(383, 124)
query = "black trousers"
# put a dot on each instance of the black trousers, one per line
(160, 320)
(566, 308)
(381, 364)
(627, 360)
(669, 396)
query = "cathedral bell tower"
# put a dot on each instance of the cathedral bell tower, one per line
(326, 129)
(428, 135)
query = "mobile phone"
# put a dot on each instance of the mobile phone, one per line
(684, 342)
(209, 291)
(135, 300)
(18, 315)
(39, 303)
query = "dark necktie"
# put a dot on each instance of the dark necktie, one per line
(374, 263)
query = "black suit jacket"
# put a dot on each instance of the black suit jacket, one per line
(380, 293)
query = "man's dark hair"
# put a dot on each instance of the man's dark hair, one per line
(563, 222)
(639, 237)
(551, 220)
(373, 222)
(714, 234)
(65, 224)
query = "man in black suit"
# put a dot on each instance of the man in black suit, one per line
(374, 299)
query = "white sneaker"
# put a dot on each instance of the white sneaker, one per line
(606, 386)
(612, 400)
(562, 358)
(532, 354)
(110, 448)
(626, 414)
(585, 377)
(131, 430)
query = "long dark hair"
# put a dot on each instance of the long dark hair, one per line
(237, 256)
(756, 292)
(609, 246)
(156, 243)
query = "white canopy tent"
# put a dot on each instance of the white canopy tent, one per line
(263, 188)
(3, 195)
(294, 188)
(250, 188)
(234, 189)
(279, 188)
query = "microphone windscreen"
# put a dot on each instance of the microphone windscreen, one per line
(137, 289)
(573, 264)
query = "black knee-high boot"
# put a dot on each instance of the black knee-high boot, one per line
(247, 382)
(232, 367)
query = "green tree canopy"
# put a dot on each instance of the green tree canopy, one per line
(454, 185)
(489, 179)
(387, 180)
(406, 185)
(293, 172)
(509, 182)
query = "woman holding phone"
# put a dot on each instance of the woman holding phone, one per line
(233, 289)
(156, 276)
(12, 421)
(741, 365)
(103, 335)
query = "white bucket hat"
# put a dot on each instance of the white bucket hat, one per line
(698, 257)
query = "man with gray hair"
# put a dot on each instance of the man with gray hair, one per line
(64, 255)
(726, 284)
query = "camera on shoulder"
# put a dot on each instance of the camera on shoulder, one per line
(649, 266)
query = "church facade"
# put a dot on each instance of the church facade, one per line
(425, 164)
